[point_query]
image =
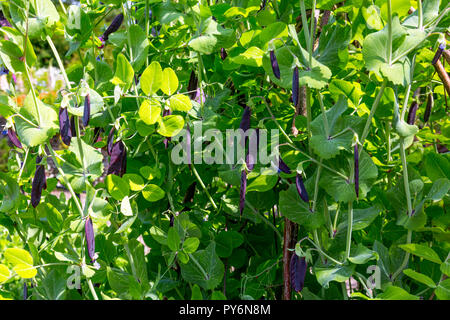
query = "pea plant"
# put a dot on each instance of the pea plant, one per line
(125, 183)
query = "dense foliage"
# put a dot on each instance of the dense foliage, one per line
(92, 205)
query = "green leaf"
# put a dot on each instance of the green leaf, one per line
(153, 193)
(135, 182)
(443, 290)
(419, 277)
(46, 11)
(151, 79)
(118, 281)
(125, 207)
(169, 81)
(4, 273)
(17, 256)
(296, 210)
(263, 182)
(190, 245)
(9, 191)
(33, 136)
(127, 224)
(170, 125)
(173, 240)
(124, 73)
(180, 102)
(159, 235)
(326, 275)
(150, 111)
(117, 187)
(445, 268)
(139, 46)
(361, 254)
(439, 189)
(196, 293)
(25, 271)
(362, 218)
(421, 251)
(204, 268)
(251, 57)
(395, 293)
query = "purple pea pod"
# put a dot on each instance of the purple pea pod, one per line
(412, 113)
(223, 53)
(283, 167)
(250, 161)
(430, 103)
(65, 126)
(192, 86)
(110, 142)
(87, 111)
(242, 191)
(301, 188)
(113, 27)
(13, 138)
(297, 268)
(39, 183)
(72, 126)
(189, 196)
(117, 163)
(245, 121)
(295, 87)
(438, 53)
(200, 96)
(25, 291)
(274, 62)
(171, 221)
(90, 238)
(356, 177)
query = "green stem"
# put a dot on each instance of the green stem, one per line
(405, 176)
(389, 32)
(372, 113)
(305, 23)
(325, 120)
(323, 253)
(308, 117)
(349, 230)
(312, 29)
(66, 181)
(203, 186)
(91, 288)
(405, 259)
(58, 60)
(420, 26)
(23, 166)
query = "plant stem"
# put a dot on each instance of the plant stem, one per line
(203, 186)
(419, 2)
(305, 23)
(349, 229)
(58, 60)
(91, 288)
(312, 31)
(389, 32)
(66, 181)
(405, 176)
(324, 116)
(372, 113)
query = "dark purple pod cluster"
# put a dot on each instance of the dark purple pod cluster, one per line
(87, 111)
(90, 238)
(245, 120)
(438, 53)
(242, 191)
(110, 141)
(223, 53)
(274, 63)
(356, 172)
(429, 107)
(13, 138)
(301, 188)
(295, 87)
(113, 27)
(118, 161)
(65, 127)
(283, 167)
(25, 291)
(3, 21)
(192, 86)
(39, 183)
(297, 268)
